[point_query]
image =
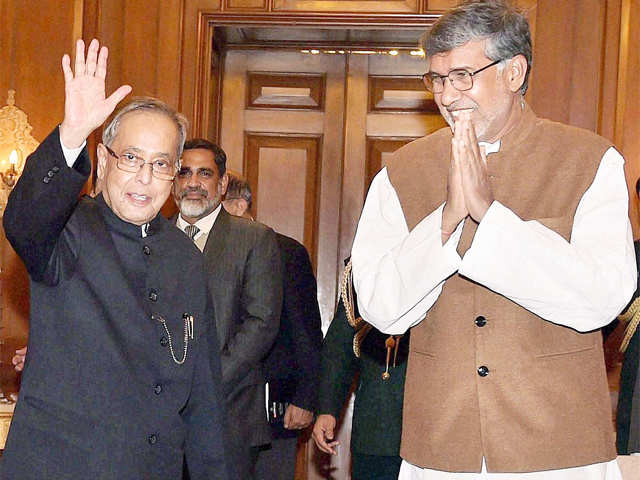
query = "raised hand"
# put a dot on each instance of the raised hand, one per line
(86, 106)
(323, 433)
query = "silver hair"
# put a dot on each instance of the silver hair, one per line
(505, 28)
(148, 104)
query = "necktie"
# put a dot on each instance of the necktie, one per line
(191, 231)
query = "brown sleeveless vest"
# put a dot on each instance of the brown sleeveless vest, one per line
(541, 402)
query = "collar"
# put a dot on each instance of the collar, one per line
(205, 224)
(517, 134)
(490, 147)
(125, 228)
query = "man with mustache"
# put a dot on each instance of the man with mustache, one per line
(505, 242)
(244, 275)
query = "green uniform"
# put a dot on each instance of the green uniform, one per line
(377, 415)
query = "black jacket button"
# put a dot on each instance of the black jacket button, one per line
(46, 179)
(152, 439)
(50, 173)
(146, 250)
(483, 371)
(481, 321)
(153, 295)
(157, 388)
(55, 168)
(164, 342)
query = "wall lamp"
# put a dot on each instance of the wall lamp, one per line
(16, 143)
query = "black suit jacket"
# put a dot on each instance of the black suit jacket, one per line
(293, 364)
(245, 281)
(101, 396)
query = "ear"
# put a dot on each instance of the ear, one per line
(243, 207)
(102, 161)
(516, 72)
(223, 183)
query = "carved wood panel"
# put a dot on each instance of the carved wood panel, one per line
(299, 91)
(377, 6)
(259, 5)
(286, 169)
(378, 151)
(399, 94)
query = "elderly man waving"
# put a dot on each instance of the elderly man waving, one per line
(121, 380)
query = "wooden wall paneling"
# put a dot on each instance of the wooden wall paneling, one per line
(628, 105)
(35, 40)
(233, 103)
(329, 263)
(169, 51)
(293, 122)
(394, 125)
(378, 151)
(361, 6)
(285, 170)
(215, 91)
(565, 81)
(195, 32)
(439, 5)
(399, 94)
(609, 85)
(300, 91)
(355, 150)
(254, 5)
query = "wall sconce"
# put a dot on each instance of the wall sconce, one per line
(16, 143)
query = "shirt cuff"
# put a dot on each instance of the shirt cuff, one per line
(71, 154)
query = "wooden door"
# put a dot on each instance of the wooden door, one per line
(309, 131)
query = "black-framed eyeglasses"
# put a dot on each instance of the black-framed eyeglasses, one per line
(161, 168)
(459, 78)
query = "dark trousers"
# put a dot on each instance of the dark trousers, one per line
(277, 461)
(375, 467)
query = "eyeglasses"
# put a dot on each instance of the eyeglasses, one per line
(161, 168)
(459, 78)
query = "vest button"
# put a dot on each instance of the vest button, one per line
(164, 342)
(152, 439)
(481, 321)
(483, 371)
(157, 388)
(146, 250)
(153, 295)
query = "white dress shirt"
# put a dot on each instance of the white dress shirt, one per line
(583, 284)
(205, 224)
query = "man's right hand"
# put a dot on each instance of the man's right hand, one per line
(323, 433)
(85, 106)
(18, 359)
(455, 209)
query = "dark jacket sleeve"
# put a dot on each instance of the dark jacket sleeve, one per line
(302, 316)
(261, 303)
(204, 417)
(338, 365)
(41, 203)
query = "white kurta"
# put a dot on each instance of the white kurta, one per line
(584, 284)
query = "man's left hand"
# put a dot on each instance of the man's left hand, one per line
(296, 418)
